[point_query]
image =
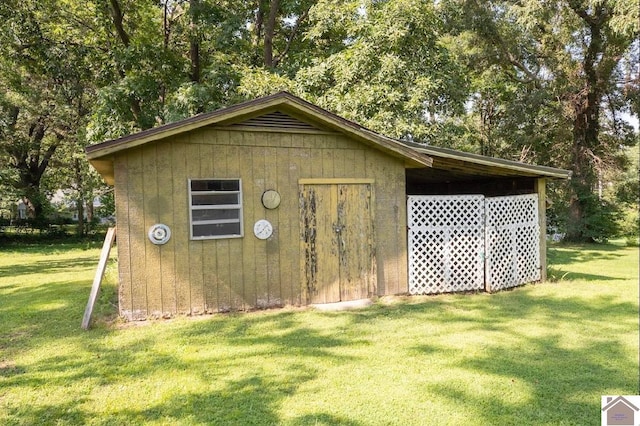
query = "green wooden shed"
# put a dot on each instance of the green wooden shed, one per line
(277, 202)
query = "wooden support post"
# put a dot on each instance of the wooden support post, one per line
(97, 279)
(485, 254)
(540, 187)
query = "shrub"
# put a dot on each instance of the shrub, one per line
(630, 226)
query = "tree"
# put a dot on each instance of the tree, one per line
(278, 31)
(542, 82)
(80, 183)
(42, 95)
(391, 72)
(166, 61)
(568, 57)
(138, 69)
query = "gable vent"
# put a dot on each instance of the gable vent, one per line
(276, 120)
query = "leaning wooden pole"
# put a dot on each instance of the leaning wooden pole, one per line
(97, 279)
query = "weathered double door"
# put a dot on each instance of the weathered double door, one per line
(337, 240)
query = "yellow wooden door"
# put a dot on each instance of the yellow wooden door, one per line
(337, 242)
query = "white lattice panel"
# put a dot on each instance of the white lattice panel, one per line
(512, 241)
(446, 243)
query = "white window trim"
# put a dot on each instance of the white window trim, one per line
(238, 206)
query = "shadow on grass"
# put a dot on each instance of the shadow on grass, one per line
(322, 419)
(35, 311)
(70, 413)
(558, 274)
(557, 380)
(252, 400)
(249, 400)
(49, 266)
(557, 374)
(559, 255)
(270, 334)
(567, 254)
(239, 390)
(496, 311)
(26, 326)
(36, 315)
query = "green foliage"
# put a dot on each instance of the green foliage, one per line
(258, 82)
(393, 74)
(500, 78)
(602, 215)
(630, 226)
(626, 193)
(601, 220)
(107, 205)
(216, 90)
(549, 82)
(627, 187)
(44, 77)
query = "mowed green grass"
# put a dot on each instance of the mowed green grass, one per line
(541, 354)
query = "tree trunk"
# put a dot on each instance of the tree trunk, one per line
(80, 209)
(194, 43)
(118, 20)
(34, 201)
(31, 159)
(80, 199)
(586, 130)
(583, 181)
(269, 33)
(257, 31)
(90, 212)
(117, 16)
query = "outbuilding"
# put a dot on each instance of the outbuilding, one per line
(277, 202)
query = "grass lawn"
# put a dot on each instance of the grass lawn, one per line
(540, 354)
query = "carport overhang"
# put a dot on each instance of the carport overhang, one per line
(455, 172)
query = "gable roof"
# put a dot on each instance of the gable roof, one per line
(283, 110)
(301, 114)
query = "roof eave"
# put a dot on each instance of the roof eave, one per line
(529, 169)
(104, 167)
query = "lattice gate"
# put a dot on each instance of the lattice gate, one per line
(446, 243)
(512, 241)
(467, 242)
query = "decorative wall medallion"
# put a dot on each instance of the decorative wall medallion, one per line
(263, 229)
(271, 199)
(159, 233)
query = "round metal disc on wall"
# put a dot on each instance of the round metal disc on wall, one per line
(159, 233)
(271, 199)
(262, 229)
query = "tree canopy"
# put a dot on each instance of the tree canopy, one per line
(543, 82)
